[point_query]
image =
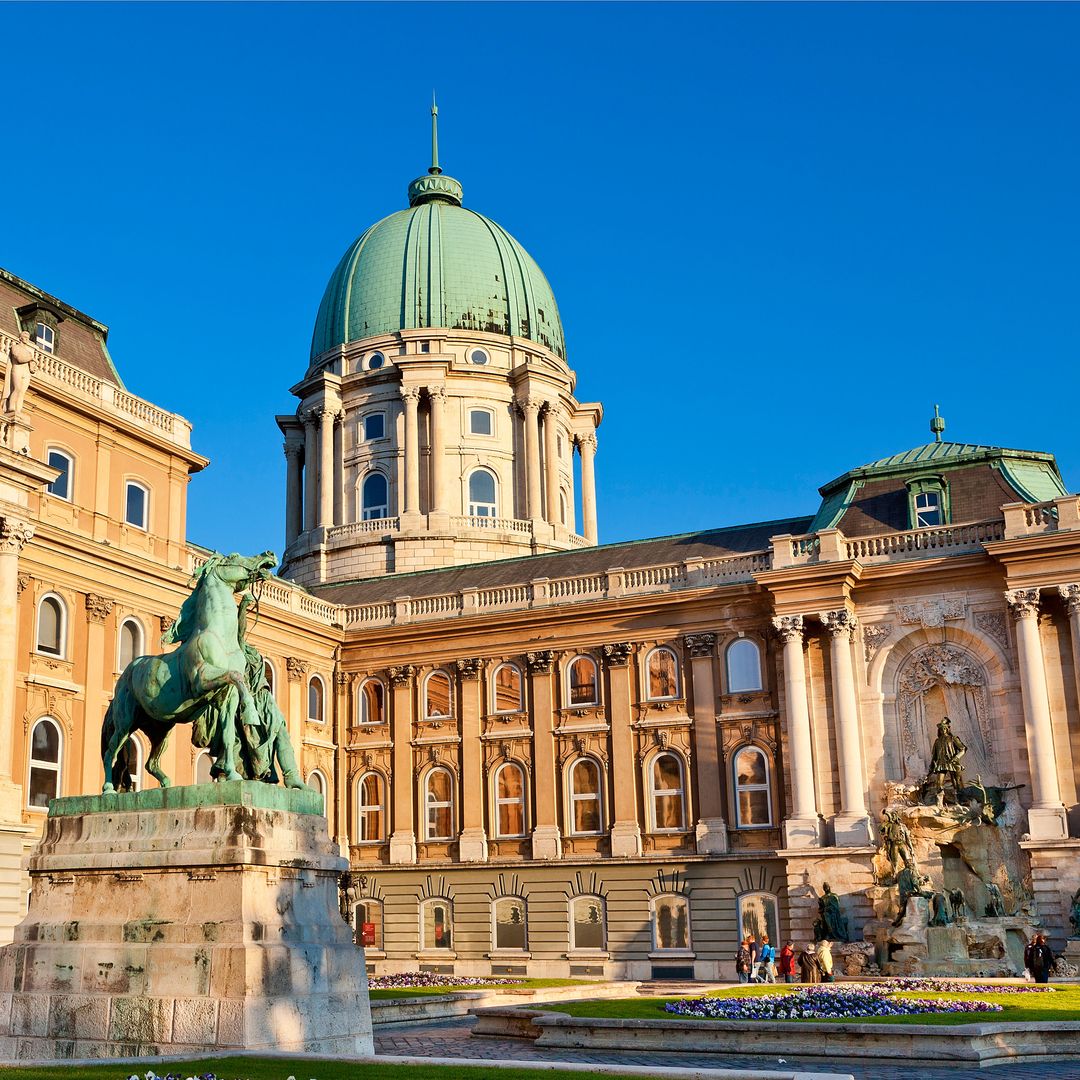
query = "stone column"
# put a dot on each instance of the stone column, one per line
(1071, 595)
(711, 828)
(472, 844)
(98, 682)
(338, 517)
(551, 462)
(802, 828)
(311, 469)
(530, 410)
(1046, 816)
(402, 796)
(14, 535)
(294, 499)
(626, 828)
(546, 838)
(851, 827)
(326, 466)
(437, 406)
(342, 827)
(587, 449)
(410, 395)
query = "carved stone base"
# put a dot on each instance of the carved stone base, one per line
(852, 830)
(625, 839)
(711, 835)
(473, 846)
(802, 832)
(181, 920)
(403, 847)
(1047, 823)
(546, 843)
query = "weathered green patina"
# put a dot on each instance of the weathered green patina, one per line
(226, 793)
(214, 681)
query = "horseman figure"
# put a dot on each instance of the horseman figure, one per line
(214, 681)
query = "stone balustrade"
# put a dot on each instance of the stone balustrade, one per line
(1031, 519)
(105, 396)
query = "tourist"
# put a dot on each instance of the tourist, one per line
(808, 965)
(1038, 958)
(825, 960)
(766, 972)
(744, 962)
(786, 967)
(755, 949)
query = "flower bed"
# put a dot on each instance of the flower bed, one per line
(952, 986)
(848, 1002)
(407, 980)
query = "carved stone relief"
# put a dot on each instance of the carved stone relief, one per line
(874, 637)
(994, 625)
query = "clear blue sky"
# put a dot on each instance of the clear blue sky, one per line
(777, 234)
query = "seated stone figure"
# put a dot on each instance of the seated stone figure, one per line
(830, 925)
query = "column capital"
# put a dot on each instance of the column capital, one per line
(468, 667)
(530, 404)
(327, 413)
(788, 627)
(1071, 595)
(293, 449)
(308, 417)
(401, 676)
(98, 608)
(540, 663)
(14, 535)
(437, 393)
(699, 645)
(409, 394)
(838, 622)
(586, 440)
(617, 654)
(1023, 603)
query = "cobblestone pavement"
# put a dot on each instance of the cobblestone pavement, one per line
(451, 1039)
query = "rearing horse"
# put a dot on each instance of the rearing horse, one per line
(201, 683)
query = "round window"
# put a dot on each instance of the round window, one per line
(376, 360)
(478, 356)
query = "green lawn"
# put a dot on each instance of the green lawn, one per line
(522, 987)
(1063, 1004)
(301, 1068)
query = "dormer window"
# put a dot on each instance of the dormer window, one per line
(928, 502)
(45, 337)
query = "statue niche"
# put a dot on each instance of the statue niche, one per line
(944, 681)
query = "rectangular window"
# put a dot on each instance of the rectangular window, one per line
(374, 426)
(135, 506)
(61, 486)
(927, 510)
(481, 422)
(45, 338)
(436, 926)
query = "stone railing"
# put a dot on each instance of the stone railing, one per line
(544, 592)
(492, 524)
(361, 528)
(106, 397)
(1029, 519)
(916, 543)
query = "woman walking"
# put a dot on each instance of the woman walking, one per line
(808, 965)
(825, 960)
(1038, 959)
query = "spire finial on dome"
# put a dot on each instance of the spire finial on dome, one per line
(937, 425)
(434, 170)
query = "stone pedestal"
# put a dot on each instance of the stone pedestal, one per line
(181, 920)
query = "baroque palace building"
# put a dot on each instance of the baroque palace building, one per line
(544, 755)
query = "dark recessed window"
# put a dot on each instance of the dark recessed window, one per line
(61, 486)
(374, 426)
(135, 500)
(478, 356)
(481, 422)
(375, 361)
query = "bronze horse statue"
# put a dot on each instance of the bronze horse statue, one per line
(202, 683)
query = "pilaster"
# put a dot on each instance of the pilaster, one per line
(403, 837)
(711, 828)
(546, 838)
(472, 844)
(626, 827)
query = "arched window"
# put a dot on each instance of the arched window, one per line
(662, 669)
(588, 923)
(753, 795)
(743, 666)
(136, 504)
(369, 808)
(586, 815)
(51, 625)
(439, 805)
(482, 494)
(61, 486)
(564, 514)
(437, 701)
(46, 746)
(506, 685)
(368, 924)
(510, 800)
(757, 916)
(671, 923)
(202, 768)
(371, 702)
(317, 782)
(509, 928)
(136, 761)
(131, 642)
(436, 920)
(316, 697)
(375, 497)
(271, 676)
(583, 681)
(667, 793)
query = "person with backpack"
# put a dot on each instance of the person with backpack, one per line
(1039, 959)
(744, 962)
(766, 970)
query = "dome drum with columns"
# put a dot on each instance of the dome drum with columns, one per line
(439, 429)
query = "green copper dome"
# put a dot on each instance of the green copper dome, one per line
(437, 264)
